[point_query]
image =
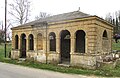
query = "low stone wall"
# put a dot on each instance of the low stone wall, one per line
(106, 65)
(37, 56)
(31, 54)
(53, 58)
(41, 57)
(83, 61)
(78, 60)
(15, 54)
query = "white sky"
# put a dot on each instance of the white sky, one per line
(93, 7)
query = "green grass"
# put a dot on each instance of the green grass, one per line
(2, 49)
(105, 72)
(116, 46)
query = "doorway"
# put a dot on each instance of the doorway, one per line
(23, 46)
(65, 46)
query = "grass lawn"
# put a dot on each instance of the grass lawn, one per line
(8, 49)
(116, 46)
(106, 72)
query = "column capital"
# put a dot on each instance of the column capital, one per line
(72, 37)
(73, 44)
(35, 37)
(58, 44)
(57, 37)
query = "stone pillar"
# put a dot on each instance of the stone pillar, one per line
(44, 44)
(86, 44)
(58, 48)
(58, 44)
(35, 43)
(72, 45)
(48, 44)
(19, 43)
(13, 40)
(27, 41)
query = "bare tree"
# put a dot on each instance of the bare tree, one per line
(2, 33)
(114, 19)
(42, 15)
(1, 25)
(20, 10)
(109, 17)
(2, 30)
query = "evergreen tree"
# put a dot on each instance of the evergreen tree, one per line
(116, 25)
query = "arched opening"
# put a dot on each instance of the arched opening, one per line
(16, 42)
(39, 42)
(31, 42)
(105, 34)
(23, 46)
(105, 41)
(52, 39)
(80, 41)
(65, 46)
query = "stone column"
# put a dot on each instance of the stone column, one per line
(86, 44)
(44, 44)
(19, 43)
(58, 48)
(13, 41)
(27, 41)
(72, 45)
(35, 43)
(48, 44)
(58, 44)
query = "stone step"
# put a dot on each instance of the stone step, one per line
(64, 65)
(20, 60)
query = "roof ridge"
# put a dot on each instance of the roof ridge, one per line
(59, 17)
(65, 13)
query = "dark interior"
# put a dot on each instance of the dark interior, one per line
(23, 46)
(31, 42)
(65, 46)
(52, 38)
(80, 41)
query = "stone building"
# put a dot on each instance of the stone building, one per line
(73, 38)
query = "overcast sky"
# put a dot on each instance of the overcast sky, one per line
(93, 7)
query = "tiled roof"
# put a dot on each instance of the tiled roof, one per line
(59, 17)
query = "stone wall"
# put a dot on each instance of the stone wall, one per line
(15, 54)
(103, 45)
(94, 42)
(84, 61)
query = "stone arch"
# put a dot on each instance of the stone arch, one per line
(39, 41)
(105, 34)
(16, 41)
(105, 41)
(65, 46)
(80, 41)
(23, 46)
(52, 40)
(31, 42)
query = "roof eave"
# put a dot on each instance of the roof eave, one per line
(104, 21)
